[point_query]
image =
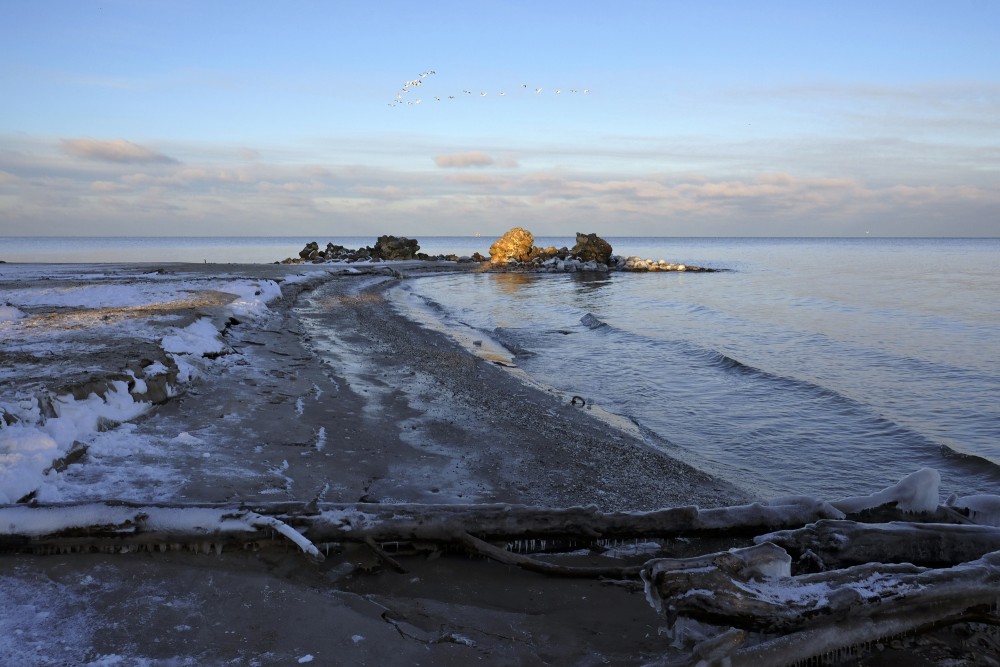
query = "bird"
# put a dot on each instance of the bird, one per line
(482, 94)
(524, 85)
(537, 90)
(502, 93)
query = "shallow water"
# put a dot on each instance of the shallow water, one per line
(821, 366)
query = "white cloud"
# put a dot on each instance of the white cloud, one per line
(113, 150)
(470, 159)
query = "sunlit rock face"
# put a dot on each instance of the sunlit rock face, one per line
(514, 245)
(591, 248)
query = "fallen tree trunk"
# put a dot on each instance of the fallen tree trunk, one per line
(840, 543)
(121, 523)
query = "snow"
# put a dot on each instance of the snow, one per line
(94, 312)
(198, 338)
(984, 509)
(10, 313)
(917, 492)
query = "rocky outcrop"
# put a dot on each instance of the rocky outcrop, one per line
(386, 248)
(395, 248)
(514, 246)
(310, 252)
(591, 248)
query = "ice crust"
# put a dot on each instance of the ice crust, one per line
(35, 439)
(917, 492)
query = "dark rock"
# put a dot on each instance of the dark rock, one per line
(393, 247)
(591, 248)
(307, 252)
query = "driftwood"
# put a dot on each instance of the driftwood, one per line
(817, 613)
(122, 524)
(836, 543)
(759, 612)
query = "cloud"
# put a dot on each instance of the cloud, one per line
(114, 150)
(470, 159)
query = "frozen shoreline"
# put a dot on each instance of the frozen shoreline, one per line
(387, 412)
(302, 388)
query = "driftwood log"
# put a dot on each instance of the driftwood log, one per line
(868, 580)
(839, 543)
(129, 525)
(817, 613)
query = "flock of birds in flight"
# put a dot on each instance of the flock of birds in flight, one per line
(410, 86)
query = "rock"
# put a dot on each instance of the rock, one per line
(393, 247)
(591, 248)
(310, 251)
(515, 245)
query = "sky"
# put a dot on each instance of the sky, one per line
(653, 118)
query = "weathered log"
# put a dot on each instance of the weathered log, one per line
(120, 523)
(739, 589)
(126, 527)
(840, 543)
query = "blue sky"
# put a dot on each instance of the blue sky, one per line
(701, 119)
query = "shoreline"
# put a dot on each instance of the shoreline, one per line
(395, 412)
(328, 394)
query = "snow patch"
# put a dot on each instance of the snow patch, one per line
(984, 509)
(198, 338)
(10, 313)
(918, 492)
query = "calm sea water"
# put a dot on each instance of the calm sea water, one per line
(217, 249)
(821, 366)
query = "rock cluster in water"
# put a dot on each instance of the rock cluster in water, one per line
(514, 251)
(386, 248)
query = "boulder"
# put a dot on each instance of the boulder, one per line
(310, 251)
(515, 245)
(591, 248)
(393, 247)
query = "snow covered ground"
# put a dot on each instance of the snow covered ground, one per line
(81, 346)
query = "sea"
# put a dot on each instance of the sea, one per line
(819, 366)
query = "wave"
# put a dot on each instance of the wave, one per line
(862, 421)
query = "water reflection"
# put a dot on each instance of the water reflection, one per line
(516, 285)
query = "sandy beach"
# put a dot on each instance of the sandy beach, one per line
(331, 395)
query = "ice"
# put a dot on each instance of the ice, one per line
(25, 452)
(10, 313)
(917, 492)
(983, 509)
(185, 438)
(198, 338)
(100, 306)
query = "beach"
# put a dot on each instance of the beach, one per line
(390, 412)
